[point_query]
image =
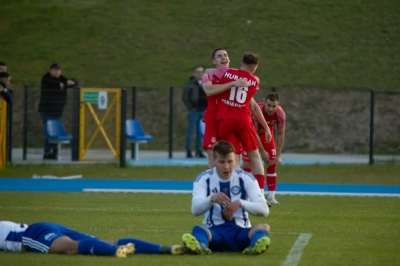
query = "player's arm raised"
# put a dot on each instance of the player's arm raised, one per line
(215, 89)
(257, 113)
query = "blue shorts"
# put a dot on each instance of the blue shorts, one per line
(38, 237)
(229, 237)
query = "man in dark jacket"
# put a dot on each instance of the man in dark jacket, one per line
(4, 86)
(196, 102)
(53, 96)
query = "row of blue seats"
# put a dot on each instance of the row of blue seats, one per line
(55, 133)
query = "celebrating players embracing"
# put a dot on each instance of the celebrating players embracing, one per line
(234, 110)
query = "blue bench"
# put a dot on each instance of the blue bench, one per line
(55, 133)
(135, 135)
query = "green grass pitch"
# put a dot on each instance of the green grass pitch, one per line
(345, 230)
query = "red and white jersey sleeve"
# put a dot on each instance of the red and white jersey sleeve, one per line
(280, 118)
(207, 77)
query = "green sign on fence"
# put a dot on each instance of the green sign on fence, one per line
(91, 97)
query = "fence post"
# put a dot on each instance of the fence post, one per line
(171, 112)
(25, 125)
(75, 124)
(122, 146)
(371, 129)
(133, 150)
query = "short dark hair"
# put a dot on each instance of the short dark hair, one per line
(272, 96)
(55, 66)
(216, 50)
(250, 59)
(223, 148)
(196, 67)
(3, 63)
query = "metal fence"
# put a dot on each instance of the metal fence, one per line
(318, 120)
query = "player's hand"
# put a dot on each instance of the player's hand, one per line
(268, 135)
(230, 209)
(61, 85)
(278, 160)
(220, 198)
(240, 83)
(264, 155)
(270, 163)
(70, 82)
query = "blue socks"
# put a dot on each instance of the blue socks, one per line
(141, 247)
(257, 235)
(200, 234)
(96, 247)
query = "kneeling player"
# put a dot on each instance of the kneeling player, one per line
(226, 195)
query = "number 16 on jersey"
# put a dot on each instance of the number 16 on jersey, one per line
(239, 94)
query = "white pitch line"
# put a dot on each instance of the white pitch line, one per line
(296, 251)
(294, 193)
(115, 190)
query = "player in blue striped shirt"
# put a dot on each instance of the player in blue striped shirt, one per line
(225, 195)
(58, 239)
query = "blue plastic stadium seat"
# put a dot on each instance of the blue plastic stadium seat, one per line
(135, 135)
(55, 133)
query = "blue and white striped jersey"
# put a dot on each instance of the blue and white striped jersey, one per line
(11, 235)
(240, 186)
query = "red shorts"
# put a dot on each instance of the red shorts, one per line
(268, 147)
(241, 134)
(210, 135)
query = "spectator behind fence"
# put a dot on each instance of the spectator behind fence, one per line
(195, 100)
(53, 96)
(4, 86)
(3, 67)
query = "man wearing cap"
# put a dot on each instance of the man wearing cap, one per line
(53, 96)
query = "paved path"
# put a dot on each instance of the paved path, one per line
(151, 158)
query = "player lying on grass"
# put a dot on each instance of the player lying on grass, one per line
(225, 195)
(58, 239)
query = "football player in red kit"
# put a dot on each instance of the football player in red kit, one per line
(234, 108)
(211, 84)
(275, 117)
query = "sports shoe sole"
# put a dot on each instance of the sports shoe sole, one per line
(178, 250)
(259, 247)
(193, 245)
(124, 250)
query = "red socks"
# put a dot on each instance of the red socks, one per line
(271, 178)
(260, 180)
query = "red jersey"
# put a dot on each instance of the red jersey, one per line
(235, 102)
(210, 115)
(277, 119)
